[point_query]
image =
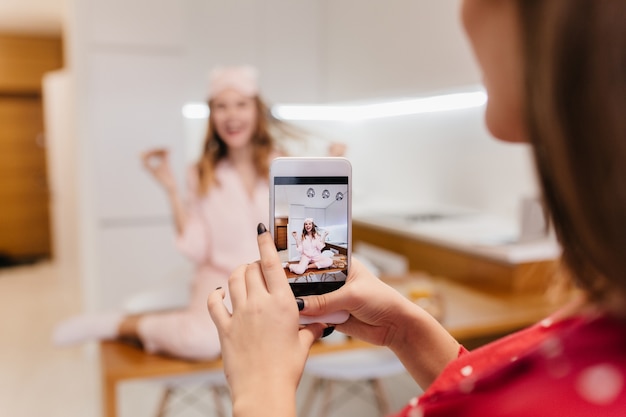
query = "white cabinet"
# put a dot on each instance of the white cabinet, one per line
(134, 105)
(127, 58)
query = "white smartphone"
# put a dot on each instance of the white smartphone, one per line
(311, 222)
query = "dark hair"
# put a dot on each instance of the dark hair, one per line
(575, 77)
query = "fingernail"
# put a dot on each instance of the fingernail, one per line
(260, 229)
(300, 302)
(328, 331)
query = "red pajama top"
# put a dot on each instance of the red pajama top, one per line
(571, 368)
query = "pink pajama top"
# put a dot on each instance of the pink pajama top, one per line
(310, 247)
(220, 235)
(574, 367)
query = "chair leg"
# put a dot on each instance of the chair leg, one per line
(217, 399)
(381, 396)
(316, 384)
(328, 397)
(164, 400)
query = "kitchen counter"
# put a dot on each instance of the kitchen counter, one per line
(464, 246)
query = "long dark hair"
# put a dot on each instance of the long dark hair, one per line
(575, 58)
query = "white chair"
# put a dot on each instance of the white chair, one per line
(169, 295)
(356, 369)
(187, 390)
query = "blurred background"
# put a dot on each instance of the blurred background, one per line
(87, 85)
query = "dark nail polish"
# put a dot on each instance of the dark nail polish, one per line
(260, 229)
(328, 331)
(300, 302)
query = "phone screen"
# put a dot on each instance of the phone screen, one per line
(312, 231)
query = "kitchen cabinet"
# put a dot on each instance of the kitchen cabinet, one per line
(24, 194)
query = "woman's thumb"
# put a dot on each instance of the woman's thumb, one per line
(316, 305)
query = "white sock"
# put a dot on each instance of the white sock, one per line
(83, 328)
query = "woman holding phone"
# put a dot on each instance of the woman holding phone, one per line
(555, 76)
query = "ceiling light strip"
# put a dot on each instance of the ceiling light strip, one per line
(440, 103)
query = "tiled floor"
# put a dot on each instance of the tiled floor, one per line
(37, 379)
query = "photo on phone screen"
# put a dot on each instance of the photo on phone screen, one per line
(311, 229)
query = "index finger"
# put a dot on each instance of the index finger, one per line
(273, 271)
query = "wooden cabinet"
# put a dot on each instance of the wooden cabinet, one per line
(24, 60)
(24, 220)
(24, 199)
(280, 233)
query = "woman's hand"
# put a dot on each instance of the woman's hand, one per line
(263, 347)
(374, 306)
(337, 149)
(156, 161)
(380, 315)
(298, 240)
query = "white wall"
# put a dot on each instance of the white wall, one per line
(394, 48)
(429, 160)
(282, 38)
(134, 63)
(330, 50)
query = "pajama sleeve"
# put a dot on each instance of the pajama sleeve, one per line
(193, 242)
(319, 243)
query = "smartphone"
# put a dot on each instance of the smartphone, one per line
(311, 222)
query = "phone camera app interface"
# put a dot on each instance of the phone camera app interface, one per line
(311, 230)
